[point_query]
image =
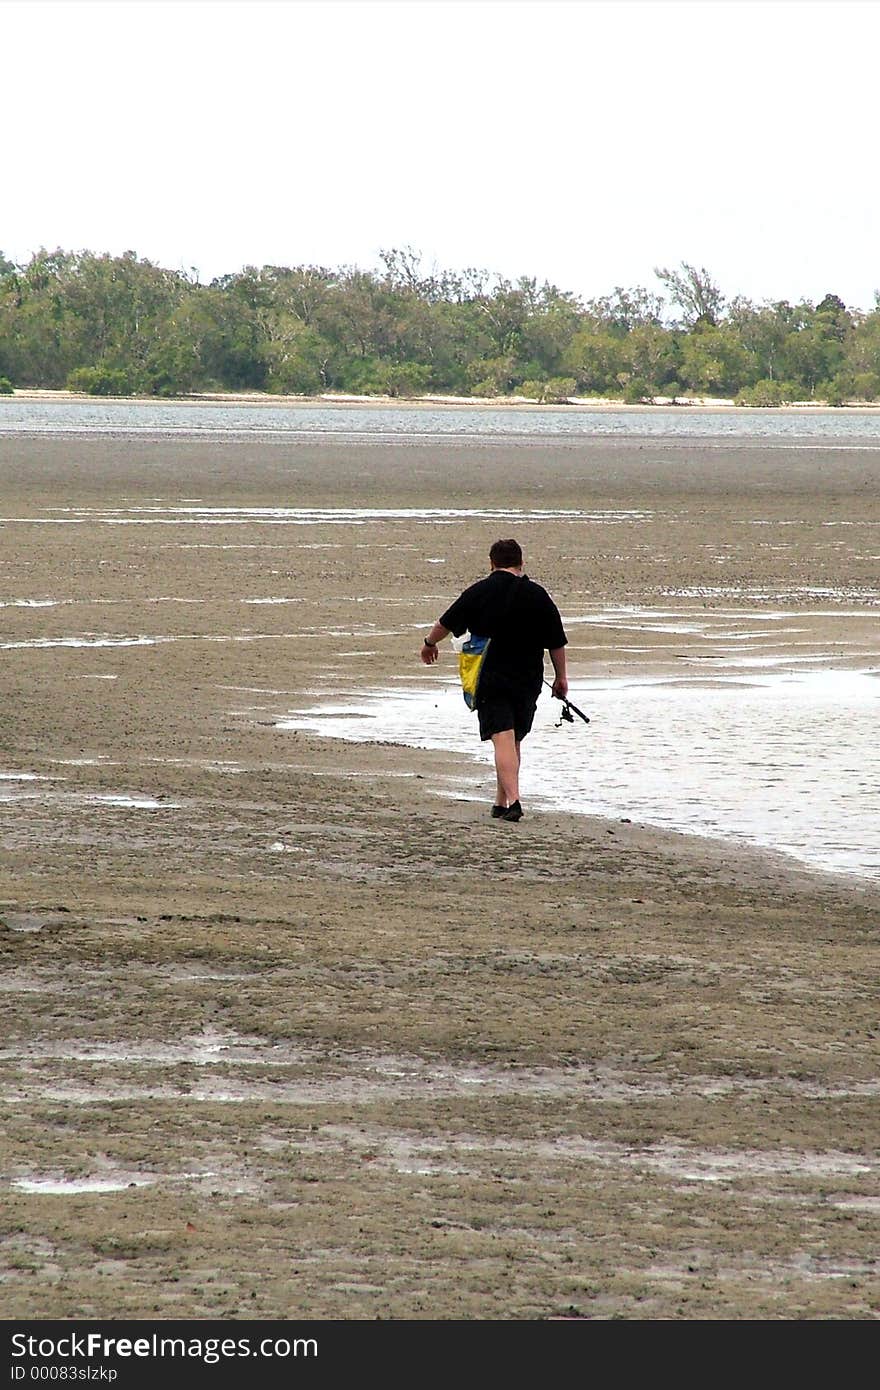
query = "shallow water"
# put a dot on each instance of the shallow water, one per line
(354, 420)
(10, 794)
(121, 641)
(174, 515)
(63, 1187)
(757, 732)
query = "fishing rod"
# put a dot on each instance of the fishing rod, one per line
(567, 708)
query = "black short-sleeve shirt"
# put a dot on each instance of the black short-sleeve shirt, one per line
(521, 619)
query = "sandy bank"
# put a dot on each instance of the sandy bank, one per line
(664, 405)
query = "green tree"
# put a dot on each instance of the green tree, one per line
(862, 357)
(833, 317)
(694, 292)
(596, 358)
(625, 309)
(172, 365)
(407, 328)
(297, 360)
(233, 350)
(650, 360)
(762, 331)
(809, 353)
(36, 348)
(714, 361)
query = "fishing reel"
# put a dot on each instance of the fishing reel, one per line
(568, 711)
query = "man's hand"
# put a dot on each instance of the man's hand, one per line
(429, 644)
(559, 688)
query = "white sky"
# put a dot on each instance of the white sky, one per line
(583, 142)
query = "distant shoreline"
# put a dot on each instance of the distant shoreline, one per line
(330, 399)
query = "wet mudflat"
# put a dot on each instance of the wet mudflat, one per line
(291, 1028)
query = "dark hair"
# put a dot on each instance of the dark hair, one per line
(506, 555)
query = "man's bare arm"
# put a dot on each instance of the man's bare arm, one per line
(560, 684)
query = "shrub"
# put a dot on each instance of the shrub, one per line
(534, 390)
(489, 387)
(407, 379)
(765, 393)
(6, 386)
(558, 389)
(493, 376)
(866, 386)
(100, 381)
(636, 392)
(292, 378)
(834, 393)
(365, 376)
(172, 367)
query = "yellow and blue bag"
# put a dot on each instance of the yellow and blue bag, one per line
(470, 666)
(474, 650)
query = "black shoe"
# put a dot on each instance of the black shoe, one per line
(513, 812)
(498, 811)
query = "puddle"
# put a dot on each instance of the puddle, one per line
(750, 593)
(683, 1162)
(29, 603)
(20, 982)
(107, 641)
(66, 1187)
(328, 516)
(870, 1205)
(136, 803)
(186, 973)
(198, 1049)
(116, 799)
(31, 921)
(101, 761)
(216, 545)
(42, 642)
(316, 1075)
(57, 1185)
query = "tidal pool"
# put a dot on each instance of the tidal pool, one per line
(786, 759)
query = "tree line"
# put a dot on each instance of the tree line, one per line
(122, 325)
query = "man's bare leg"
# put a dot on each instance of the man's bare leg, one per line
(507, 760)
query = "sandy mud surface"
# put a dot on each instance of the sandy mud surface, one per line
(290, 1029)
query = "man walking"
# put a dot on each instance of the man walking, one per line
(522, 622)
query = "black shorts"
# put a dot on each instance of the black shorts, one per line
(502, 710)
